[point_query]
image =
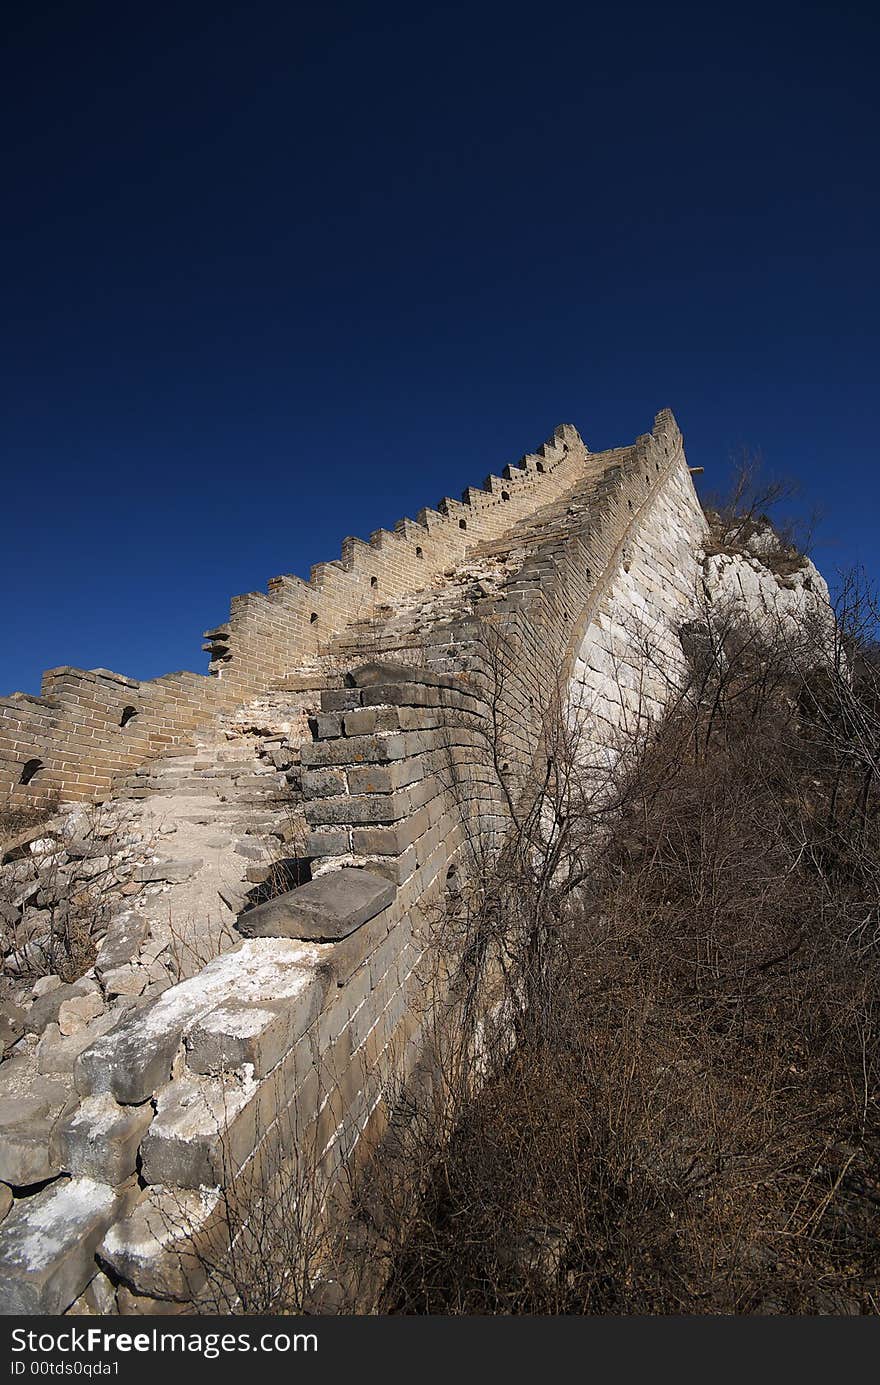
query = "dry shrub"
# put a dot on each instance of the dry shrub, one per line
(651, 1086)
(690, 1124)
(56, 928)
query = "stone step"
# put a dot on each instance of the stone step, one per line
(260, 779)
(199, 784)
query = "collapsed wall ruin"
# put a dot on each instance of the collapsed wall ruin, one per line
(342, 735)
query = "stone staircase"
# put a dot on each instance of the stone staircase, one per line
(494, 568)
(221, 819)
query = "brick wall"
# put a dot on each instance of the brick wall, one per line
(88, 727)
(296, 1042)
(399, 782)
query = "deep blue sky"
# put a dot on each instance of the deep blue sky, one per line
(274, 274)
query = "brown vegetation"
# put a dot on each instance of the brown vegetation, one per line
(652, 1087)
(688, 1122)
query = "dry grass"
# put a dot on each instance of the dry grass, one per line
(653, 1081)
(689, 1123)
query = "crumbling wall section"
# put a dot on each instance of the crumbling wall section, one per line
(591, 619)
(294, 1044)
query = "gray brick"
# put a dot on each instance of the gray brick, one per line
(354, 750)
(384, 778)
(360, 808)
(328, 843)
(323, 783)
(100, 1139)
(366, 720)
(340, 699)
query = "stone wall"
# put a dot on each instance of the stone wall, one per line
(293, 1044)
(89, 727)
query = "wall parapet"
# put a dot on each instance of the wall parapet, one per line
(295, 619)
(386, 742)
(71, 733)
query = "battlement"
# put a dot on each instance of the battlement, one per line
(88, 727)
(294, 619)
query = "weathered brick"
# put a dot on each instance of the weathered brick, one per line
(372, 779)
(323, 783)
(354, 750)
(100, 1139)
(257, 1033)
(390, 841)
(47, 1243)
(340, 699)
(367, 720)
(361, 808)
(328, 843)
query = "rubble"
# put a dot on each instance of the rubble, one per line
(48, 1243)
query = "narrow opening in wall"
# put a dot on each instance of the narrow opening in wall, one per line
(374, 581)
(505, 495)
(462, 524)
(629, 504)
(656, 466)
(128, 714)
(419, 553)
(540, 466)
(30, 770)
(313, 617)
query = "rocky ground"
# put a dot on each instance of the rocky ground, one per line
(104, 908)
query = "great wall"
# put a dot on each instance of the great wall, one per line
(339, 739)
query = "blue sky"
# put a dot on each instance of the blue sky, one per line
(274, 275)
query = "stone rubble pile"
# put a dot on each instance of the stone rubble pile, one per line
(758, 577)
(103, 910)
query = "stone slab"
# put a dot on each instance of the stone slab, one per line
(159, 1250)
(48, 1242)
(121, 942)
(173, 871)
(324, 910)
(135, 1059)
